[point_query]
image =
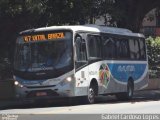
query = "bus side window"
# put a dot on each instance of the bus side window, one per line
(131, 45)
(142, 49)
(94, 45)
(109, 48)
(134, 49)
(137, 50)
(122, 48)
(81, 54)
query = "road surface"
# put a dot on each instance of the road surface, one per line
(143, 102)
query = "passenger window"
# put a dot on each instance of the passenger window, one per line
(137, 51)
(122, 49)
(131, 45)
(134, 49)
(142, 49)
(94, 45)
(109, 48)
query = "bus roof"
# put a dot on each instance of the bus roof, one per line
(88, 28)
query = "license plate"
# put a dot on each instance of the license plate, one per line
(41, 94)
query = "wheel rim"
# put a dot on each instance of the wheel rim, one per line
(91, 95)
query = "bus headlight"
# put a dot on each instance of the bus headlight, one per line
(66, 81)
(16, 83)
(69, 79)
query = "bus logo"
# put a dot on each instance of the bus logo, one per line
(104, 74)
(128, 68)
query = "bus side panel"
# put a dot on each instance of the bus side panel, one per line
(113, 86)
(123, 71)
(106, 83)
(81, 84)
(142, 84)
(113, 76)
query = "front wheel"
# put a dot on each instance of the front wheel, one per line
(90, 98)
(91, 95)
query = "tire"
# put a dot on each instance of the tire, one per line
(130, 90)
(127, 95)
(90, 99)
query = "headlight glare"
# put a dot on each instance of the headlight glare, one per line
(16, 83)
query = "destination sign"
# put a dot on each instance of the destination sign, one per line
(42, 37)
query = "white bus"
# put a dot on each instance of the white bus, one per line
(70, 61)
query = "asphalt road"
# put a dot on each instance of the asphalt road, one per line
(146, 102)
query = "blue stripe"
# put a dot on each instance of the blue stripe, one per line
(122, 72)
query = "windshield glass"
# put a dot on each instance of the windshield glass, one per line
(48, 52)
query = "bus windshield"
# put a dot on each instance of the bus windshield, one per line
(43, 54)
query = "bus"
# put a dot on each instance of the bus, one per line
(79, 61)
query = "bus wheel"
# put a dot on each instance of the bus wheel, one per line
(91, 95)
(127, 95)
(130, 90)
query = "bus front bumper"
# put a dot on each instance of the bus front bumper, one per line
(44, 92)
